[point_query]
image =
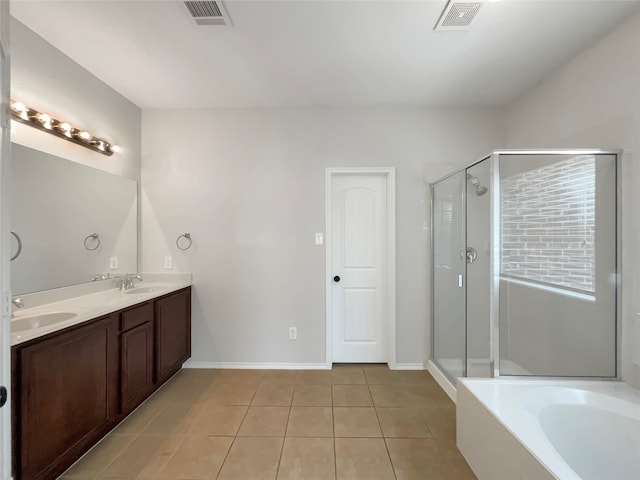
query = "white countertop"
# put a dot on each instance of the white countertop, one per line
(93, 305)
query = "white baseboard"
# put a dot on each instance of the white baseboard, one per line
(409, 366)
(442, 380)
(257, 366)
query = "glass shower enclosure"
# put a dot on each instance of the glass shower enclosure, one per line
(525, 262)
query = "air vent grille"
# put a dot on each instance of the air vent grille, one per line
(458, 16)
(208, 13)
(203, 9)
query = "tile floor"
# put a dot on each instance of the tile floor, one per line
(350, 423)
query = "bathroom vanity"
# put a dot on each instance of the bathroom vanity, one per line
(73, 385)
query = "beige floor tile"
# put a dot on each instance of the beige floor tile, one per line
(312, 396)
(414, 377)
(307, 459)
(230, 393)
(252, 458)
(348, 376)
(174, 419)
(402, 422)
(140, 418)
(265, 422)
(310, 422)
(246, 377)
(417, 459)
(273, 395)
(355, 422)
(99, 457)
(362, 459)
(288, 377)
(314, 377)
(427, 396)
(182, 389)
(389, 395)
(143, 457)
(351, 396)
(202, 375)
(222, 420)
(199, 457)
(460, 467)
(441, 422)
(380, 375)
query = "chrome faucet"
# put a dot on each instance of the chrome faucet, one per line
(126, 281)
(18, 303)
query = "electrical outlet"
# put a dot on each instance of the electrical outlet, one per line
(293, 333)
(168, 263)
(113, 263)
(319, 239)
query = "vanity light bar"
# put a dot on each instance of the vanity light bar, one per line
(43, 121)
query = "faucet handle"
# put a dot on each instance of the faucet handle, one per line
(17, 302)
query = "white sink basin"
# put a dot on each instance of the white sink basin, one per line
(39, 321)
(143, 290)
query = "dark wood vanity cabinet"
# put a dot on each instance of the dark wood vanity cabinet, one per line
(173, 334)
(71, 387)
(136, 356)
(67, 386)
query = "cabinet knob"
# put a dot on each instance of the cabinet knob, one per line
(336, 278)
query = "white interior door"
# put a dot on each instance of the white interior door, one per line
(358, 268)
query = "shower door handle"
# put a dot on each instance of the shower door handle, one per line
(472, 255)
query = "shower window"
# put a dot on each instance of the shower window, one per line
(548, 224)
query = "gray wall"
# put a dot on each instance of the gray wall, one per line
(593, 101)
(249, 186)
(46, 79)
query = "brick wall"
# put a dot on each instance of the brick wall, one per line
(548, 221)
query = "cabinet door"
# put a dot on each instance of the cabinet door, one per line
(136, 363)
(68, 389)
(173, 333)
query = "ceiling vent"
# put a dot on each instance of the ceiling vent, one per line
(457, 16)
(208, 13)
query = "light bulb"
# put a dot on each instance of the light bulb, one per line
(21, 109)
(84, 135)
(116, 149)
(66, 128)
(45, 120)
(18, 106)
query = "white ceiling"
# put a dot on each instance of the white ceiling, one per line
(319, 53)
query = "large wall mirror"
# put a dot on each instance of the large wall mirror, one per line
(70, 223)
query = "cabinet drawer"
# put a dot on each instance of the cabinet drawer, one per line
(136, 316)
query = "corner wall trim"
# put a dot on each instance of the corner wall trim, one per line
(443, 381)
(258, 366)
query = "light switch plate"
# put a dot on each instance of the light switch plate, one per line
(319, 239)
(113, 263)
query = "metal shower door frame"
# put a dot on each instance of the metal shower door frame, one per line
(494, 265)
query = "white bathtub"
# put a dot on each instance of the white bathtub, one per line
(535, 429)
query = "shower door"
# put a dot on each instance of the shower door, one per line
(448, 275)
(478, 241)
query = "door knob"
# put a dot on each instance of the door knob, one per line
(336, 278)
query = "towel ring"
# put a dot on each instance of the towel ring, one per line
(95, 237)
(19, 245)
(187, 246)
